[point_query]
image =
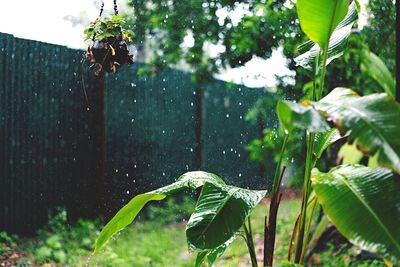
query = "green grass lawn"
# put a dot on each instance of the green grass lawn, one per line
(150, 241)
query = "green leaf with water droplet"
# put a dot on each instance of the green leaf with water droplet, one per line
(128, 213)
(297, 116)
(219, 214)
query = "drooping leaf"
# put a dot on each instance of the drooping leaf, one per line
(212, 254)
(373, 66)
(201, 256)
(293, 115)
(372, 121)
(373, 162)
(128, 213)
(124, 217)
(337, 42)
(324, 140)
(319, 18)
(349, 154)
(220, 212)
(364, 205)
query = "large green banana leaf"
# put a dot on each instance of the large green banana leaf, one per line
(319, 18)
(364, 205)
(293, 115)
(373, 66)
(128, 213)
(372, 121)
(337, 42)
(220, 212)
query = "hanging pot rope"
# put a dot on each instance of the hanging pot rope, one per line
(115, 8)
(102, 10)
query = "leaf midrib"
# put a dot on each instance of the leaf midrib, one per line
(330, 24)
(228, 197)
(381, 224)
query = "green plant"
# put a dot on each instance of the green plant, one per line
(360, 201)
(105, 27)
(58, 238)
(109, 49)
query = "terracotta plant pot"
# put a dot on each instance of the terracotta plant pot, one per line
(108, 55)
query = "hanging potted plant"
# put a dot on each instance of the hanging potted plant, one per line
(108, 50)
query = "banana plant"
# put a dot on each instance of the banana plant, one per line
(362, 202)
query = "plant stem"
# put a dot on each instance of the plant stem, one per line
(294, 236)
(307, 231)
(270, 229)
(300, 246)
(250, 242)
(303, 213)
(278, 166)
(323, 71)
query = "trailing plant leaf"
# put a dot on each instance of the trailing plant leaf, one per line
(363, 204)
(293, 115)
(212, 254)
(108, 26)
(373, 66)
(337, 41)
(128, 213)
(220, 212)
(318, 18)
(324, 140)
(372, 121)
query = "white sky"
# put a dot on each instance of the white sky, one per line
(43, 20)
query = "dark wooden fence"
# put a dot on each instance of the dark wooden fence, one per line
(138, 134)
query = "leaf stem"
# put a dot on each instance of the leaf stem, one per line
(300, 244)
(323, 72)
(306, 188)
(270, 229)
(278, 166)
(313, 202)
(250, 242)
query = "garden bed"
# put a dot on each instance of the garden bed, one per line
(149, 243)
